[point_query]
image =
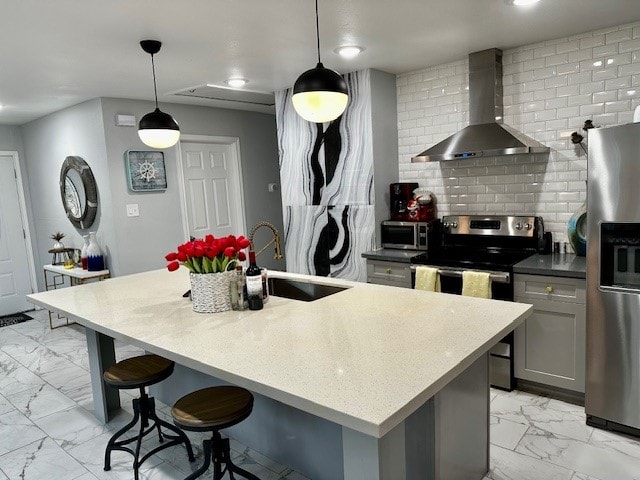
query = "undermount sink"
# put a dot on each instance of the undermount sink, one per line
(304, 291)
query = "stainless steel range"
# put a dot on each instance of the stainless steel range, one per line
(491, 244)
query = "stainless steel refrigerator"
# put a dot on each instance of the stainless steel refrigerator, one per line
(612, 397)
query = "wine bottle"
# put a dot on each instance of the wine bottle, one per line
(254, 283)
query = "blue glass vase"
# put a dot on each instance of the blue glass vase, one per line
(577, 230)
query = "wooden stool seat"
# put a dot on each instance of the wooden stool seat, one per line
(213, 408)
(137, 372)
(140, 372)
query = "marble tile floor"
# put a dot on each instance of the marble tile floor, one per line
(48, 431)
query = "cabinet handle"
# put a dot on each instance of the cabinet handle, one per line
(549, 289)
(388, 271)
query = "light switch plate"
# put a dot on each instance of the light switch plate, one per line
(132, 210)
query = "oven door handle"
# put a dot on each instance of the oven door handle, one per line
(498, 277)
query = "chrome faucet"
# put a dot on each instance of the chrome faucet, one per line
(275, 239)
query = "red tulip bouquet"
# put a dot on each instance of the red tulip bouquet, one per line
(211, 255)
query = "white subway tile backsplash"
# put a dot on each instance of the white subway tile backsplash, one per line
(533, 64)
(545, 51)
(618, 106)
(568, 91)
(620, 82)
(578, 78)
(545, 94)
(520, 56)
(593, 109)
(591, 42)
(608, 96)
(546, 72)
(591, 87)
(605, 74)
(573, 67)
(630, 69)
(609, 49)
(549, 90)
(567, 46)
(580, 55)
(556, 81)
(559, 59)
(629, 46)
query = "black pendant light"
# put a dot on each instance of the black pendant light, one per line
(157, 129)
(320, 94)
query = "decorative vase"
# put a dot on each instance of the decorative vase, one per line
(210, 291)
(577, 230)
(95, 257)
(83, 252)
(58, 245)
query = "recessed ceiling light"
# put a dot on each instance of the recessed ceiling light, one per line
(349, 51)
(237, 82)
(523, 3)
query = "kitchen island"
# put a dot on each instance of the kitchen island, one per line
(372, 382)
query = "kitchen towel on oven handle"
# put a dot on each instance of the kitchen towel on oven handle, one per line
(427, 279)
(476, 284)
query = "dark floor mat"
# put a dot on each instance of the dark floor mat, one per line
(14, 319)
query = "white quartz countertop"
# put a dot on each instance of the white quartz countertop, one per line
(365, 358)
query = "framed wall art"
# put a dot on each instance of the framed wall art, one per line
(145, 171)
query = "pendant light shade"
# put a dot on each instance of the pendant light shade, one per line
(320, 94)
(157, 129)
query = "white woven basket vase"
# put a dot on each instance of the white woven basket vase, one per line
(210, 291)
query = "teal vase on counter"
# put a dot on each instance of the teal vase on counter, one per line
(577, 230)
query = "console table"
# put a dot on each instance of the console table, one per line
(56, 276)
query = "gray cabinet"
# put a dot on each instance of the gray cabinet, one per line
(550, 345)
(395, 274)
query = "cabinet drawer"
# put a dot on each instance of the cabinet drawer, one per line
(389, 272)
(571, 290)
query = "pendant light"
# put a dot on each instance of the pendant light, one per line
(320, 94)
(157, 129)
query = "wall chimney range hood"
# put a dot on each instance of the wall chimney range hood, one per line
(486, 135)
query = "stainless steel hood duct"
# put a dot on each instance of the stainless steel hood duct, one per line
(486, 135)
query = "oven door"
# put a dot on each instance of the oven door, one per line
(501, 358)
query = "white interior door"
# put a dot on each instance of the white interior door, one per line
(15, 281)
(212, 188)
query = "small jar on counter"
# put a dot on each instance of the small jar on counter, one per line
(238, 291)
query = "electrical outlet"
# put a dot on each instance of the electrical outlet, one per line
(132, 210)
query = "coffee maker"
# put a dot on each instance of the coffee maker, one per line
(400, 194)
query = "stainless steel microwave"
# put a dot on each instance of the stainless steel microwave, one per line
(408, 235)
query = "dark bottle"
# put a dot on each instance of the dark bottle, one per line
(254, 283)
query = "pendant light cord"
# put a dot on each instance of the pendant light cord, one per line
(155, 90)
(318, 31)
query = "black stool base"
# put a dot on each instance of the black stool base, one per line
(218, 450)
(144, 409)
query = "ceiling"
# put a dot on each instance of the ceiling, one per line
(58, 53)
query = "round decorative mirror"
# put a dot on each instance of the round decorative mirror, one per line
(79, 192)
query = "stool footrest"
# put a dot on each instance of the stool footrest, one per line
(143, 411)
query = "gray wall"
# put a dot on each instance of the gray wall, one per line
(384, 124)
(77, 130)
(143, 241)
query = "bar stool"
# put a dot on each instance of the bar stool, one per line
(140, 372)
(213, 409)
